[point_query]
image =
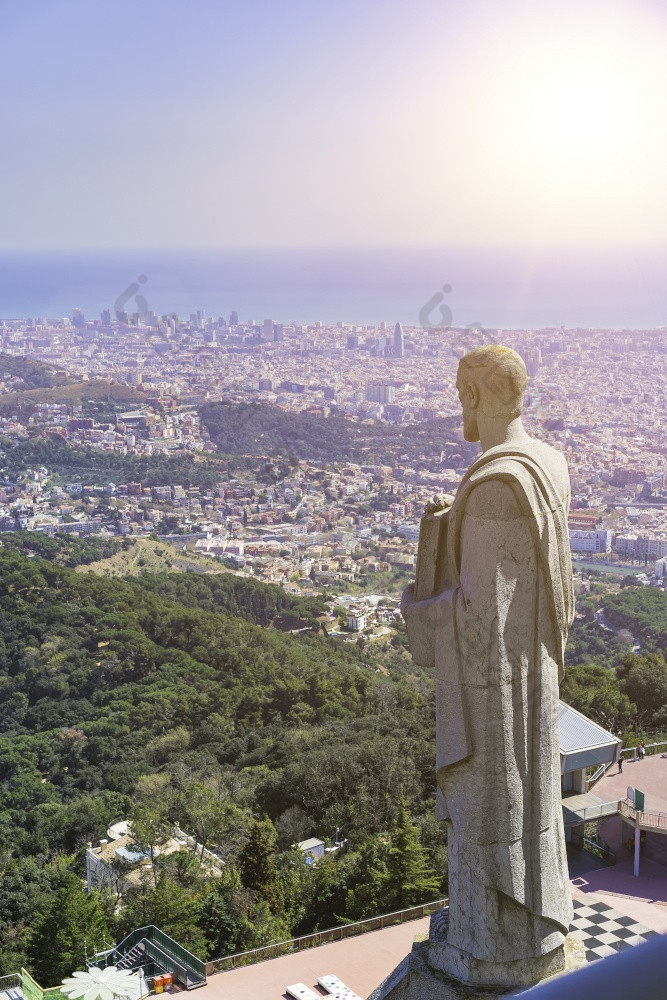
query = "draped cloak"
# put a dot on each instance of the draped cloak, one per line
(499, 647)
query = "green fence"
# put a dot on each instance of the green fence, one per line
(33, 991)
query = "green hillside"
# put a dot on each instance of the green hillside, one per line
(70, 392)
(27, 374)
(121, 695)
(174, 697)
(262, 430)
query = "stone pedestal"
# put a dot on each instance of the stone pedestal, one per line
(430, 971)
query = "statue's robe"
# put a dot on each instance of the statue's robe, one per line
(499, 646)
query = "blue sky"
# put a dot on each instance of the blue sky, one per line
(174, 124)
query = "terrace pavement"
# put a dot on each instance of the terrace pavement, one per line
(363, 962)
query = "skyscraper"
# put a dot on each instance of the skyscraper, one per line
(399, 343)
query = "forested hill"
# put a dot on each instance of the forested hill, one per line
(116, 695)
(24, 373)
(69, 391)
(258, 429)
(643, 611)
(178, 699)
(92, 466)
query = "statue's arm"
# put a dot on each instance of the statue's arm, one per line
(429, 612)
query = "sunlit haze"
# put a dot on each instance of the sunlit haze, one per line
(166, 124)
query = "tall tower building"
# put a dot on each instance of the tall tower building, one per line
(399, 342)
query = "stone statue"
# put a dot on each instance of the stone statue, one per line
(496, 634)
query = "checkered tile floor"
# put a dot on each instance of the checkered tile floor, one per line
(604, 930)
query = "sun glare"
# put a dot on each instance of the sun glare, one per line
(585, 114)
(568, 127)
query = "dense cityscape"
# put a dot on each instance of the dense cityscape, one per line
(331, 522)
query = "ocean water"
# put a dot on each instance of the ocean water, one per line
(494, 287)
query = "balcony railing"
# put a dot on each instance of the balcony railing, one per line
(268, 951)
(645, 819)
(10, 986)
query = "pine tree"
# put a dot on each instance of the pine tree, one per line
(70, 917)
(257, 866)
(171, 907)
(409, 880)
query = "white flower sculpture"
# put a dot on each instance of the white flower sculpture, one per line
(101, 984)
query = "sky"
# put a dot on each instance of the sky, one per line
(212, 123)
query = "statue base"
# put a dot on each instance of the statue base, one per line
(435, 970)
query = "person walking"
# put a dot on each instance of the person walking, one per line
(620, 765)
(642, 750)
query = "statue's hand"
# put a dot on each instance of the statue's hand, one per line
(407, 599)
(430, 611)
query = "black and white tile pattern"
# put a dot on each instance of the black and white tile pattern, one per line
(604, 930)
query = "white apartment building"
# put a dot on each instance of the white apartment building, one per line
(590, 541)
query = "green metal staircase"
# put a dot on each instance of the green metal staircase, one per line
(150, 949)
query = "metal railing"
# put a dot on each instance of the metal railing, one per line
(163, 950)
(267, 951)
(596, 775)
(589, 813)
(11, 982)
(644, 818)
(600, 850)
(651, 750)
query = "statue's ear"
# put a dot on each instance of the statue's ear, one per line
(472, 394)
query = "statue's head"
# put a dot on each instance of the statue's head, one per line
(491, 380)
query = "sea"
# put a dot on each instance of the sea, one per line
(492, 287)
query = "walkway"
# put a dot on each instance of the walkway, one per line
(650, 775)
(361, 962)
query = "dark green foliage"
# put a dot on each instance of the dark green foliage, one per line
(643, 611)
(70, 915)
(110, 685)
(173, 908)
(257, 866)
(64, 550)
(263, 431)
(644, 682)
(92, 466)
(595, 691)
(261, 603)
(409, 880)
(588, 642)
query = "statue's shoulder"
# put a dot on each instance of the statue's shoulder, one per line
(535, 458)
(501, 475)
(492, 498)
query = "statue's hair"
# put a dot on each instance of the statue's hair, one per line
(500, 375)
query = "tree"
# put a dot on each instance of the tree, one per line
(596, 693)
(224, 904)
(207, 815)
(71, 922)
(409, 879)
(257, 865)
(151, 830)
(644, 680)
(171, 907)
